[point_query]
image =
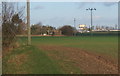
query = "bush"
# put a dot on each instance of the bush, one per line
(67, 30)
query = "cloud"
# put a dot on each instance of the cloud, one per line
(108, 4)
(39, 7)
(83, 4)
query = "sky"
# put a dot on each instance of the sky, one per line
(58, 14)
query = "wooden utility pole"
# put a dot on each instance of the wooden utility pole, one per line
(75, 26)
(28, 22)
(74, 22)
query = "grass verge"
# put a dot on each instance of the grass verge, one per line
(29, 60)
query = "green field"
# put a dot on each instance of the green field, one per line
(47, 55)
(105, 45)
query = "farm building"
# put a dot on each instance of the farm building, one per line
(57, 32)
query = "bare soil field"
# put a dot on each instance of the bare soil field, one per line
(86, 62)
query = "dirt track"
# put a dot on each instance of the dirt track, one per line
(88, 63)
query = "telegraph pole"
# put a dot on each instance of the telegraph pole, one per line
(74, 26)
(91, 11)
(17, 7)
(74, 22)
(28, 22)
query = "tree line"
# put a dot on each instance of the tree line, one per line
(39, 29)
(13, 24)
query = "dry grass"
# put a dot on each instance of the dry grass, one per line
(18, 60)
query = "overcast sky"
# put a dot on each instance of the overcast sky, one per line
(63, 13)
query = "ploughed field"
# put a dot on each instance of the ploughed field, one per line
(64, 55)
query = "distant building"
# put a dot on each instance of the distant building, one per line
(57, 32)
(83, 28)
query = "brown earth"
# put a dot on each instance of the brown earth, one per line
(87, 62)
(16, 62)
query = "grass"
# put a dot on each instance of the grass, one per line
(107, 45)
(37, 61)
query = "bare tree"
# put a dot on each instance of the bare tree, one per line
(10, 21)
